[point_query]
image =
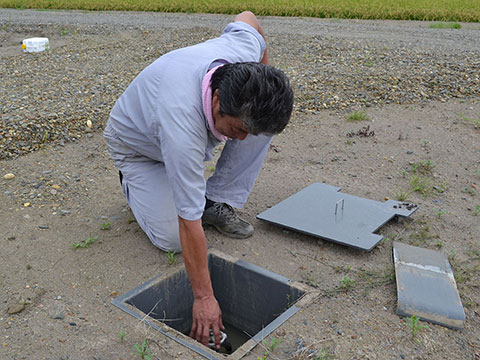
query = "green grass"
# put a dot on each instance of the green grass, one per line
(357, 116)
(442, 25)
(475, 122)
(428, 10)
(142, 351)
(415, 326)
(270, 346)
(401, 195)
(476, 212)
(106, 226)
(171, 257)
(422, 235)
(422, 167)
(347, 283)
(421, 184)
(85, 244)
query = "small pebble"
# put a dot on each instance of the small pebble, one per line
(15, 308)
(59, 316)
(43, 227)
(8, 176)
(409, 152)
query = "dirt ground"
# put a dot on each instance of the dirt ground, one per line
(55, 300)
(66, 293)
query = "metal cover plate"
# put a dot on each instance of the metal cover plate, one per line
(322, 211)
(426, 287)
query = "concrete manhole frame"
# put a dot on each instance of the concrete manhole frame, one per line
(309, 294)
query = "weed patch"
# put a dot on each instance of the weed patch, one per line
(269, 347)
(373, 278)
(475, 122)
(106, 226)
(476, 211)
(415, 326)
(171, 257)
(469, 191)
(421, 184)
(309, 279)
(423, 167)
(401, 195)
(142, 351)
(85, 244)
(443, 25)
(422, 235)
(347, 283)
(357, 116)
(8, 24)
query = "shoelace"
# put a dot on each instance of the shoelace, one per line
(225, 211)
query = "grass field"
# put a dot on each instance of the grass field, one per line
(431, 10)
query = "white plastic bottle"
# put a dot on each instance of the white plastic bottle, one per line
(35, 44)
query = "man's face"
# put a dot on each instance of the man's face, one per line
(231, 127)
(227, 125)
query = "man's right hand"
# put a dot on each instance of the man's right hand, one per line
(206, 315)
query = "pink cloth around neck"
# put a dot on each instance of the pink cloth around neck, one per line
(207, 104)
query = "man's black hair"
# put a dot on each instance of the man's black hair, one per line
(259, 94)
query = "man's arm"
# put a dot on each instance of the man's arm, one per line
(250, 18)
(206, 313)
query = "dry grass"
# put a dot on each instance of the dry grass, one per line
(431, 10)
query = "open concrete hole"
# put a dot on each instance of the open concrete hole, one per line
(254, 302)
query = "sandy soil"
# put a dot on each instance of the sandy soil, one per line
(63, 295)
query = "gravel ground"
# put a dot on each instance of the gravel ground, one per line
(333, 64)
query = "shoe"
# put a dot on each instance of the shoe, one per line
(226, 220)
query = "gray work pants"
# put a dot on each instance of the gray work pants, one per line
(149, 194)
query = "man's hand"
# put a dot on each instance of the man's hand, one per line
(206, 315)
